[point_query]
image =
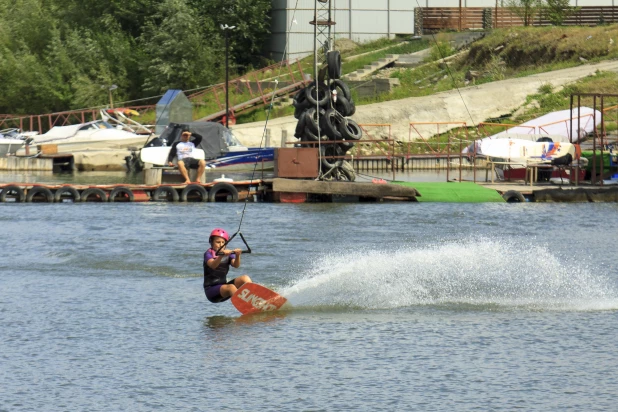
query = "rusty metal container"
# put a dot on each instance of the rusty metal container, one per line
(296, 162)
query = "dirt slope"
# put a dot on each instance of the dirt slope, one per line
(472, 105)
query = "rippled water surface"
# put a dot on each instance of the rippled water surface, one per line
(398, 306)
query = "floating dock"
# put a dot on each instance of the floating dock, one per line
(302, 191)
(272, 190)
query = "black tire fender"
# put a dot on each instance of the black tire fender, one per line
(194, 188)
(300, 125)
(312, 120)
(309, 136)
(343, 106)
(18, 191)
(40, 191)
(328, 151)
(94, 192)
(317, 95)
(333, 59)
(344, 89)
(125, 192)
(330, 123)
(73, 193)
(350, 130)
(164, 193)
(513, 196)
(223, 187)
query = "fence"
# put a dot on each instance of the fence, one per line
(434, 19)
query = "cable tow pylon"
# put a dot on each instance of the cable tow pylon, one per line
(322, 107)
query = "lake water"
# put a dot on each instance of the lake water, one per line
(395, 306)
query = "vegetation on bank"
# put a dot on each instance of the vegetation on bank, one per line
(57, 55)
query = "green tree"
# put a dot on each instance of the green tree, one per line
(177, 55)
(557, 11)
(526, 10)
(251, 19)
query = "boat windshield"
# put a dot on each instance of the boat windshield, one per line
(230, 139)
(96, 125)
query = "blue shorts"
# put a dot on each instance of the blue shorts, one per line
(213, 293)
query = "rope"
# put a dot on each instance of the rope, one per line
(270, 108)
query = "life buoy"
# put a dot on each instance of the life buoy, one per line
(123, 193)
(60, 194)
(165, 193)
(36, 192)
(513, 196)
(12, 190)
(189, 192)
(223, 187)
(93, 194)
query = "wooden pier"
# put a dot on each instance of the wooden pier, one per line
(274, 190)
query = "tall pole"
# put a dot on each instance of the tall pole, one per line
(226, 29)
(227, 80)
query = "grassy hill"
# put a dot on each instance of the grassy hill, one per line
(501, 54)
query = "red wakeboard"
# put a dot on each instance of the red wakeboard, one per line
(254, 298)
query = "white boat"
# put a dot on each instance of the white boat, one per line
(219, 147)
(10, 142)
(95, 135)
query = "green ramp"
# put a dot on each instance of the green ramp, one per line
(453, 192)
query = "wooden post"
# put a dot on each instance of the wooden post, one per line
(153, 176)
(284, 137)
(267, 138)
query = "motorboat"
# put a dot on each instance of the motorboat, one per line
(11, 141)
(219, 147)
(95, 135)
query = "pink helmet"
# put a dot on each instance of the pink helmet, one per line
(221, 233)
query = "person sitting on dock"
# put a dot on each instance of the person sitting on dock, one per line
(184, 150)
(217, 265)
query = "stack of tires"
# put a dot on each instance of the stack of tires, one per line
(322, 109)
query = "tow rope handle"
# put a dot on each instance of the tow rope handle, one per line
(248, 250)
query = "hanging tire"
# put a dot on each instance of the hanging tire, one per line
(300, 126)
(333, 59)
(194, 193)
(61, 194)
(330, 154)
(352, 108)
(12, 190)
(342, 89)
(94, 193)
(343, 106)
(165, 193)
(312, 120)
(218, 189)
(300, 100)
(317, 96)
(513, 196)
(350, 130)
(37, 192)
(125, 194)
(309, 136)
(330, 123)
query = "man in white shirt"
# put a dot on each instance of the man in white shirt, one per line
(184, 151)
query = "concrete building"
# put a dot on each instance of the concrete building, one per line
(359, 20)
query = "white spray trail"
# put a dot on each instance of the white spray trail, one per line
(473, 272)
